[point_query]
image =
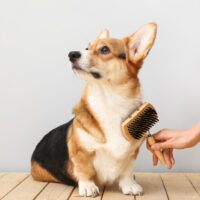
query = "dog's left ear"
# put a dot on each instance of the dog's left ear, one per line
(104, 34)
(141, 42)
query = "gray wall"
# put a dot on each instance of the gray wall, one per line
(38, 88)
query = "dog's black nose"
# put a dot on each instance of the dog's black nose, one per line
(74, 55)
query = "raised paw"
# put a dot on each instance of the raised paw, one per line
(88, 189)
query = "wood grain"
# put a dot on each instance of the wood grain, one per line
(195, 180)
(27, 190)
(113, 192)
(21, 186)
(55, 191)
(9, 181)
(178, 187)
(152, 185)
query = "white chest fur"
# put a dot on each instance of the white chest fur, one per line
(110, 109)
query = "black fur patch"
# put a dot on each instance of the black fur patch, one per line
(122, 56)
(96, 75)
(52, 153)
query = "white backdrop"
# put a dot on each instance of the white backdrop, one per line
(38, 88)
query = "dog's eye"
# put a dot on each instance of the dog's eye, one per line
(104, 50)
(86, 48)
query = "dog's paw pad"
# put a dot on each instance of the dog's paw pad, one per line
(133, 189)
(88, 189)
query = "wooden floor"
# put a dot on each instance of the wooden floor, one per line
(21, 186)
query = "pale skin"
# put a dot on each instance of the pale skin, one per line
(168, 139)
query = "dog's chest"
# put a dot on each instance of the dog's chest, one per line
(111, 109)
(111, 157)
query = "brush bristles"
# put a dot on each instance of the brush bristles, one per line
(143, 123)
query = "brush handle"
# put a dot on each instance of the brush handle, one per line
(159, 154)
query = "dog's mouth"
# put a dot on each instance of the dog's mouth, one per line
(80, 64)
(77, 68)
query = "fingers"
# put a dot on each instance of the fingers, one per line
(161, 135)
(161, 145)
(172, 157)
(166, 154)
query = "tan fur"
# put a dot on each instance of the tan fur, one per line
(91, 140)
(82, 160)
(41, 174)
(121, 78)
(87, 120)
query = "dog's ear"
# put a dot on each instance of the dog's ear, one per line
(104, 34)
(141, 42)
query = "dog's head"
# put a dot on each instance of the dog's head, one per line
(114, 61)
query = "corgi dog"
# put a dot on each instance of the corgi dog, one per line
(90, 150)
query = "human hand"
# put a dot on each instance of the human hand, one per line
(168, 140)
(176, 139)
(167, 154)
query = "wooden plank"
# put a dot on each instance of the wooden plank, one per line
(8, 181)
(75, 196)
(20, 186)
(152, 185)
(27, 190)
(178, 187)
(55, 191)
(2, 174)
(195, 180)
(113, 192)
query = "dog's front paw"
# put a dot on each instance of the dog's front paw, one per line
(132, 189)
(130, 186)
(88, 189)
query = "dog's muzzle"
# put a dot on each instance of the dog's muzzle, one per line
(74, 56)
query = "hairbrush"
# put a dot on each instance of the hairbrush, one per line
(138, 124)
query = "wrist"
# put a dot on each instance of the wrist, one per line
(196, 132)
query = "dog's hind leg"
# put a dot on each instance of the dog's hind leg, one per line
(41, 174)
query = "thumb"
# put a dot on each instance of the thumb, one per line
(161, 135)
(160, 145)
